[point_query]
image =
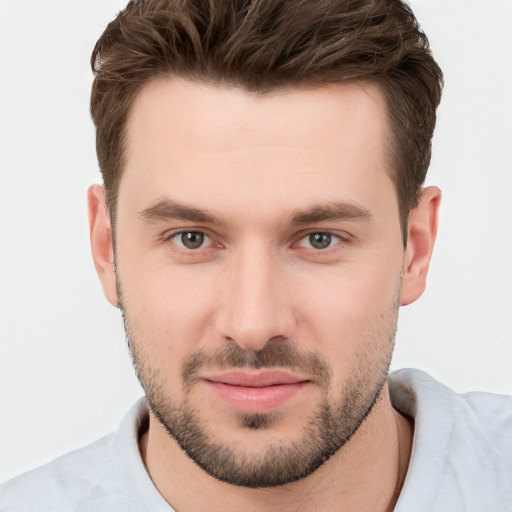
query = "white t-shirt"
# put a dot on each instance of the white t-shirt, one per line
(461, 460)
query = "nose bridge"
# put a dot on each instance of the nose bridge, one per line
(255, 308)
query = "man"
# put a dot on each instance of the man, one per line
(262, 218)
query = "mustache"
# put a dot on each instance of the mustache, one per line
(279, 353)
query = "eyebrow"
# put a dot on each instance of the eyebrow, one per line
(167, 209)
(332, 211)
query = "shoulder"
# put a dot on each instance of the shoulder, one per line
(416, 393)
(108, 474)
(462, 448)
(63, 484)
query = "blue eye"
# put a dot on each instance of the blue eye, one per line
(191, 239)
(319, 240)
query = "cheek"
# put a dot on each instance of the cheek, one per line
(165, 326)
(350, 310)
(169, 307)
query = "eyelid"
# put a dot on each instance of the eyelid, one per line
(167, 235)
(206, 251)
(206, 242)
(342, 235)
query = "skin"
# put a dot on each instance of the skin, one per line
(252, 162)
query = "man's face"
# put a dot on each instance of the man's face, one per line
(259, 259)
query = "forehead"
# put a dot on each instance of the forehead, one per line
(204, 111)
(191, 138)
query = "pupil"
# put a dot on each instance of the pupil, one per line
(320, 240)
(192, 239)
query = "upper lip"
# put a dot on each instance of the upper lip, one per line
(256, 379)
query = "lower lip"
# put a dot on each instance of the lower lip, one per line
(256, 400)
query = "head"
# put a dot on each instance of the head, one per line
(263, 164)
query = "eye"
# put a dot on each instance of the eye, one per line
(191, 240)
(319, 240)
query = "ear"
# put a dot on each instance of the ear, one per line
(101, 241)
(422, 231)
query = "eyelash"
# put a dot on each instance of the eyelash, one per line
(329, 234)
(181, 247)
(342, 239)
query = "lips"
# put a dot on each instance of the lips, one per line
(256, 392)
(257, 379)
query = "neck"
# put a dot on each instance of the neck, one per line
(366, 474)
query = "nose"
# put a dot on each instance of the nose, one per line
(256, 304)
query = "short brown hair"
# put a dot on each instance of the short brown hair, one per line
(264, 45)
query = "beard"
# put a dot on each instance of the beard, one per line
(275, 463)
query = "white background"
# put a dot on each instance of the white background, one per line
(65, 375)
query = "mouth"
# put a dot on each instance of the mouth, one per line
(256, 392)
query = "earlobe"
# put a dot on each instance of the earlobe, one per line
(101, 241)
(422, 231)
